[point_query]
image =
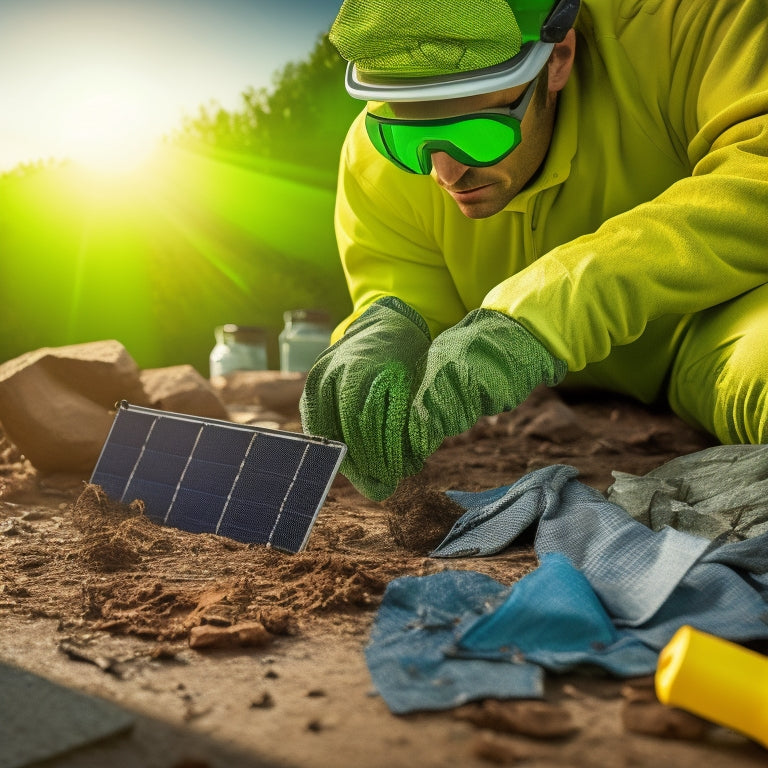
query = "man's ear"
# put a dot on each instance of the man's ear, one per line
(561, 61)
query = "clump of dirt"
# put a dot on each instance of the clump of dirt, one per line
(642, 712)
(115, 537)
(156, 582)
(147, 609)
(278, 594)
(309, 582)
(419, 517)
(9, 453)
(16, 473)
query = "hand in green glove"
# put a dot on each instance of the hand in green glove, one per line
(486, 364)
(360, 390)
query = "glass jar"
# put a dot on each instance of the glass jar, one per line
(238, 348)
(305, 335)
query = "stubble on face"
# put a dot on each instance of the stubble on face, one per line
(483, 192)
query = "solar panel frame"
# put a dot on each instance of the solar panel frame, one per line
(249, 483)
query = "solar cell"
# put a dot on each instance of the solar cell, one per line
(252, 484)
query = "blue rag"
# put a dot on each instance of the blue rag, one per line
(609, 592)
(416, 629)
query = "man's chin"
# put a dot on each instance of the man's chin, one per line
(480, 202)
(479, 208)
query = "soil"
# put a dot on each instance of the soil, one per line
(237, 655)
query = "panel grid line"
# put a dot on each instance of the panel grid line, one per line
(234, 482)
(206, 476)
(138, 459)
(287, 494)
(183, 473)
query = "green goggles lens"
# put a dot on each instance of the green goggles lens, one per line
(472, 139)
(478, 139)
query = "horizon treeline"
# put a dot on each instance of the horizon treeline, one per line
(302, 119)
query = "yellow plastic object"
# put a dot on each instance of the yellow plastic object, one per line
(717, 680)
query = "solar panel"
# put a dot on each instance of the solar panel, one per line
(256, 485)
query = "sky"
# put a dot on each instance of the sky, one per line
(101, 80)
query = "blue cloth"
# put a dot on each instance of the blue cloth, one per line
(552, 617)
(644, 578)
(609, 592)
(410, 653)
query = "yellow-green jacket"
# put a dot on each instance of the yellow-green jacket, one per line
(652, 202)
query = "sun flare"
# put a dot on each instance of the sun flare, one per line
(105, 123)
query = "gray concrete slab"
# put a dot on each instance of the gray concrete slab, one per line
(40, 719)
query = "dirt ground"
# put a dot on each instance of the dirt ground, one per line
(234, 655)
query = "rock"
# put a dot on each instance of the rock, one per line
(264, 701)
(250, 634)
(181, 389)
(272, 390)
(500, 750)
(557, 423)
(56, 403)
(643, 713)
(531, 718)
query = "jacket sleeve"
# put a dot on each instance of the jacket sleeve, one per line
(704, 239)
(385, 248)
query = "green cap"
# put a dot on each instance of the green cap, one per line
(425, 38)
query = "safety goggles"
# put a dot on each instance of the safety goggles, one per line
(478, 139)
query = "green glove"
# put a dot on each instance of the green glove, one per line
(360, 390)
(486, 364)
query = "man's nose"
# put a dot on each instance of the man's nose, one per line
(447, 170)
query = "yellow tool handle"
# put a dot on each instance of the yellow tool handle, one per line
(715, 679)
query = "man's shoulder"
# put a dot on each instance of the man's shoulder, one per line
(605, 16)
(621, 13)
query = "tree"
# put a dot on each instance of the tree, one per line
(303, 119)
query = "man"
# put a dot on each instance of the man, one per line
(529, 199)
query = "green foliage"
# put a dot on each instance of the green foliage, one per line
(157, 260)
(238, 233)
(31, 168)
(302, 120)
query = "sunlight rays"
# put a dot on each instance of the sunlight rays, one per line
(157, 259)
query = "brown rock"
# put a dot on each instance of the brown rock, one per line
(499, 750)
(181, 389)
(643, 713)
(249, 634)
(531, 718)
(56, 403)
(557, 424)
(272, 390)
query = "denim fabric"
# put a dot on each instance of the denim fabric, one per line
(553, 617)
(610, 592)
(412, 642)
(646, 579)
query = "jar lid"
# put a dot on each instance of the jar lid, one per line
(318, 316)
(244, 334)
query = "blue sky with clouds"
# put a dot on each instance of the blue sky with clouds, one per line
(142, 64)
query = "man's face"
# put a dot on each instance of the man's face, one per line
(482, 192)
